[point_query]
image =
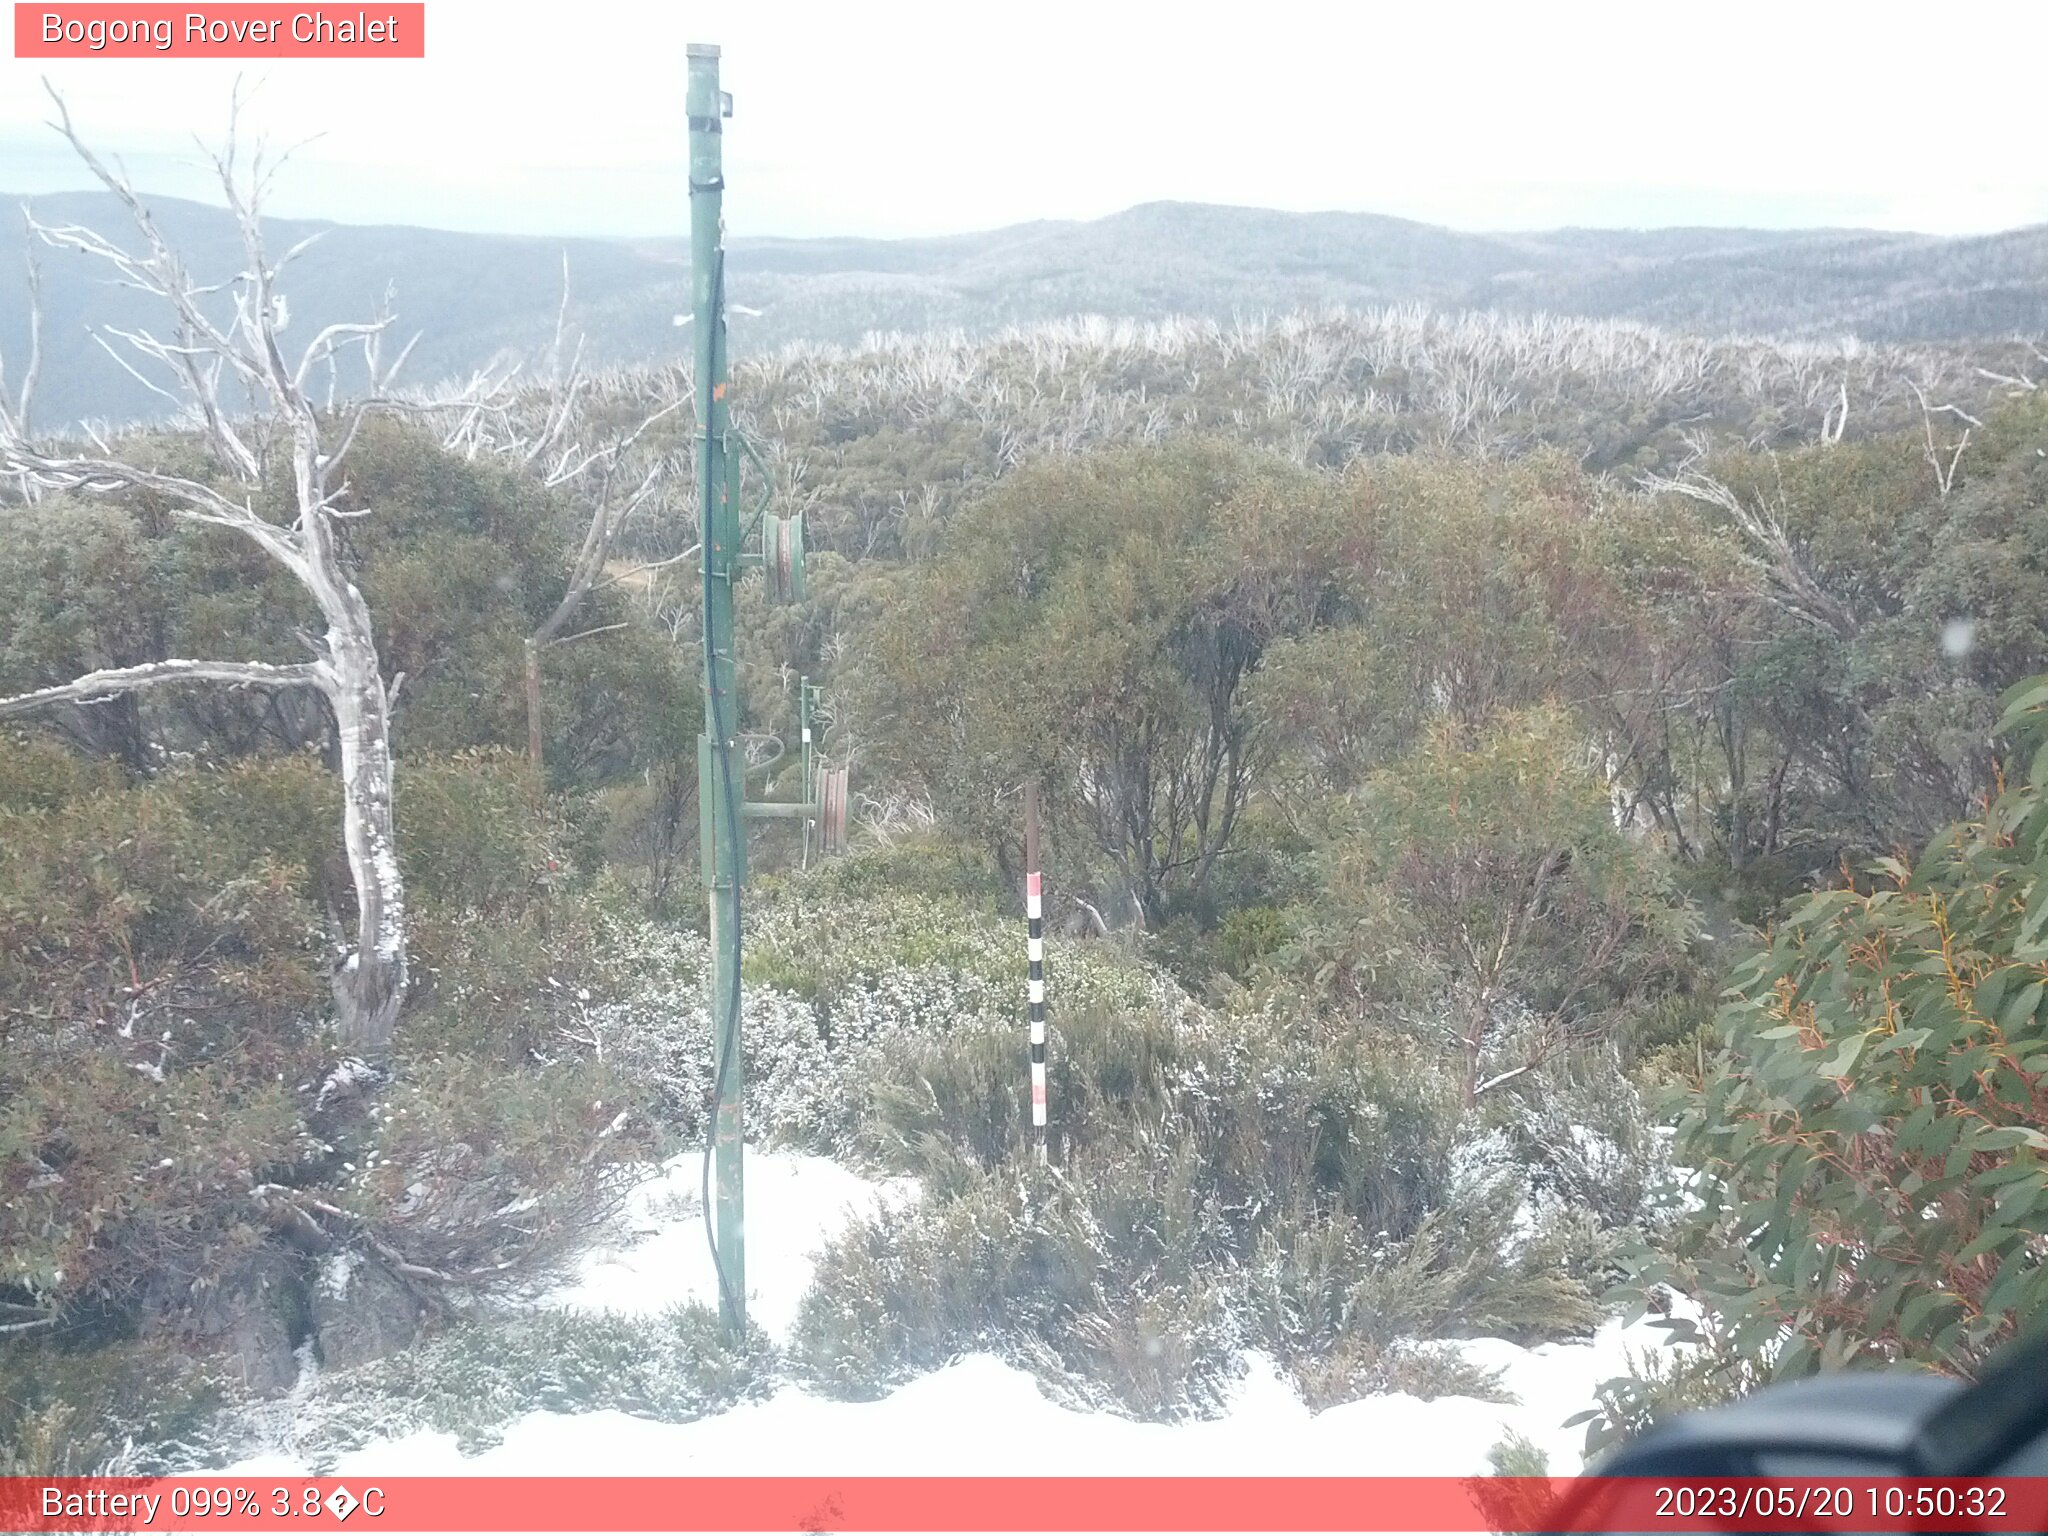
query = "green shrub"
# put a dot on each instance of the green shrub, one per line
(1661, 1384)
(1347, 1312)
(1516, 1455)
(38, 773)
(470, 835)
(930, 866)
(125, 896)
(163, 1046)
(84, 1405)
(282, 810)
(158, 1002)
(1100, 1286)
(1225, 1180)
(1249, 936)
(487, 1171)
(1512, 1506)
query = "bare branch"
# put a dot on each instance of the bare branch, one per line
(602, 629)
(1944, 473)
(100, 339)
(632, 572)
(117, 680)
(561, 319)
(324, 345)
(163, 273)
(1835, 421)
(2016, 383)
(1788, 578)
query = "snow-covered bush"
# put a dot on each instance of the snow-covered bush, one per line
(1586, 1140)
(1348, 1312)
(841, 1001)
(137, 1406)
(1225, 1180)
(490, 1174)
(1111, 1288)
(477, 1377)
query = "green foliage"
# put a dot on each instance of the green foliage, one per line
(1486, 582)
(280, 810)
(143, 970)
(1854, 671)
(1660, 1385)
(1345, 1309)
(1091, 624)
(169, 1106)
(1487, 869)
(1869, 1148)
(1514, 1507)
(162, 1043)
(929, 866)
(1516, 1455)
(460, 561)
(618, 706)
(470, 834)
(1310, 720)
(81, 1407)
(477, 1168)
(1248, 936)
(81, 590)
(1336, 701)
(39, 774)
(810, 937)
(1281, 1110)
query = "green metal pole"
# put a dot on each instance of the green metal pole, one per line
(719, 785)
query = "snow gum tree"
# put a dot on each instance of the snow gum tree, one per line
(1873, 1168)
(222, 347)
(1094, 623)
(1486, 875)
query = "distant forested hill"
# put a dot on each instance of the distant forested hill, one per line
(475, 297)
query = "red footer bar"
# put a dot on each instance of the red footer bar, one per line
(1109, 1504)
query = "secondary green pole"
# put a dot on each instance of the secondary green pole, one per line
(719, 789)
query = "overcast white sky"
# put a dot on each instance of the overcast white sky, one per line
(867, 117)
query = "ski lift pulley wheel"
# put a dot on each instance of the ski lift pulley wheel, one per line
(782, 557)
(832, 808)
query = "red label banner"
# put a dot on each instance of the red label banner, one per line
(229, 31)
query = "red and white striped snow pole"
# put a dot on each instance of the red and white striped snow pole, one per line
(1034, 924)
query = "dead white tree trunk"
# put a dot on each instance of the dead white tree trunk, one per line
(1944, 471)
(201, 359)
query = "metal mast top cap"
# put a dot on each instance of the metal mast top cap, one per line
(701, 50)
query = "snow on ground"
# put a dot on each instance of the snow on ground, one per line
(795, 1205)
(977, 1416)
